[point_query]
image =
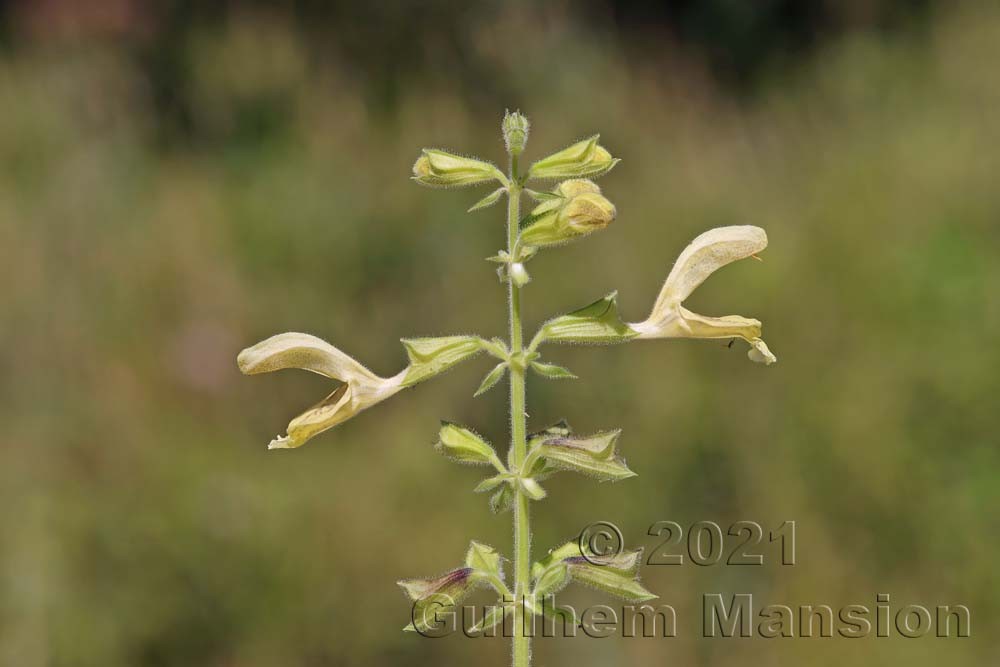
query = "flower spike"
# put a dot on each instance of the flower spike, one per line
(706, 254)
(571, 208)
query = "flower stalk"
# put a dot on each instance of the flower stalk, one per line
(518, 427)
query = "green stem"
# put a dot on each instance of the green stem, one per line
(522, 530)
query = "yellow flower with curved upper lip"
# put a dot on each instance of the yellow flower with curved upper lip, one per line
(706, 254)
(361, 388)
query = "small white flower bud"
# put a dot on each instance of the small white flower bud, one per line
(519, 274)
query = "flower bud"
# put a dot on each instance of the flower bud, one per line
(515, 132)
(433, 598)
(461, 444)
(519, 275)
(578, 209)
(587, 213)
(584, 158)
(576, 186)
(440, 169)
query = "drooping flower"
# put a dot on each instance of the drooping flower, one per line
(703, 256)
(361, 388)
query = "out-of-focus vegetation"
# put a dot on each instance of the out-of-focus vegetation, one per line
(145, 523)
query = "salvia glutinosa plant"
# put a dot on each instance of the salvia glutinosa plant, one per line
(575, 207)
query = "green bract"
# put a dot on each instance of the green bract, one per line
(573, 209)
(483, 558)
(491, 378)
(552, 371)
(488, 200)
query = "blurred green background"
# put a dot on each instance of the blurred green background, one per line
(178, 182)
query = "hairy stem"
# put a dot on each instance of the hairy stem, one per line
(522, 530)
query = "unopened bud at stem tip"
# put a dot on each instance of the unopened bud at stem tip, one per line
(515, 132)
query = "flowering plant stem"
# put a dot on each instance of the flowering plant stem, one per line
(518, 428)
(573, 209)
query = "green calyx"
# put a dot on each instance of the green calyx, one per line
(596, 323)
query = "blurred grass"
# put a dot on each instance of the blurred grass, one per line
(143, 520)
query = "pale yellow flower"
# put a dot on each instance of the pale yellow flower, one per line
(703, 256)
(361, 388)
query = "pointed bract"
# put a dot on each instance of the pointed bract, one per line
(484, 558)
(552, 371)
(490, 379)
(488, 200)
